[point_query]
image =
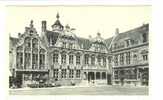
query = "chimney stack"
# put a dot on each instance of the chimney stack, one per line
(116, 31)
(43, 26)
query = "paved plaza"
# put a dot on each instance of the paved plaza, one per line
(82, 90)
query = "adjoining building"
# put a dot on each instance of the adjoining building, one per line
(58, 55)
(129, 58)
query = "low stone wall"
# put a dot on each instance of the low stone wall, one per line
(69, 82)
(127, 82)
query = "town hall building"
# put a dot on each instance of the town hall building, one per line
(60, 56)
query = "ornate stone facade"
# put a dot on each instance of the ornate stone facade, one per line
(61, 56)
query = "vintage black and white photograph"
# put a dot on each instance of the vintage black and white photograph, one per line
(78, 50)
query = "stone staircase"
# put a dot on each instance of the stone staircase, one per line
(83, 83)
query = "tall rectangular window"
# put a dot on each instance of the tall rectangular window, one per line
(77, 59)
(86, 58)
(55, 58)
(77, 73)
(34, 61)
(56, 73)
(104, 61)
(19, 59)
(27, 60)
(128, 58)
(116, 60)
(63, 58)
(122, 58)
(93, 60)
(71, 58)
(99, 60)
(109, 59)
(63, 73)
(42, 61)
(115, 74)
(71, 73)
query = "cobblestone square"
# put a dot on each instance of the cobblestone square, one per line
(89, 90)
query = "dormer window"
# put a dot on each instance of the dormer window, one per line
(127, 43)
(145, 57)
(115, 46)
(70, 46)
(64, 44)
(144, 37)
(31, 32)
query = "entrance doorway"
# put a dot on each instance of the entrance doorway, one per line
(91, 76)
(109, 79)
(18, 79)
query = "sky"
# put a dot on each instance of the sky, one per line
(87, 20)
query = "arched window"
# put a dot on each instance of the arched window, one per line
(35, 43)
(28, 42)
(63, 58)
(77, 58)
(19, 57)
(42, 59)
(55, 57)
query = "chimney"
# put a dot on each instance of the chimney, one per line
(90, 37)
(19, 35)
(43, 26)
(116, 31)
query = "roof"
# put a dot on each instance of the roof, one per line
(57, 22)
(13, 41)
(134, 34)
(52, 34)
(84, 43)
(108, 41)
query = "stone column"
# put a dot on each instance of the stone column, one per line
(74, 76)
(118, 59)
(96, 61)
(59, 58)
(23, 82)
(59, 74)
(67, 73)
(124, 58)
(67, 59)
(100, 75)
(23, 57)
(31, 77)
(82, 59)
(107, 65)
(106, 75)
(131, 58)
(31, 55)
(74, 60)
(95, 75)
(38, 65)
(102, 63)
(89, 60)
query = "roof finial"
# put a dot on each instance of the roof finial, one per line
(57, 16)
(98, 34)
(31, 24)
